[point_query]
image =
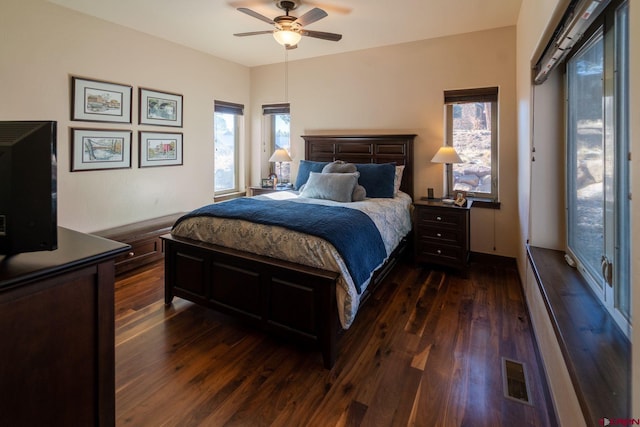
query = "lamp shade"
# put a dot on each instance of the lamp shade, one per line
(287, 37)
(446, 154)
(280, 155)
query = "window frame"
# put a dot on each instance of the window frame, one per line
(468, 96)
(615, 128)
(270, 113)
(237, 111)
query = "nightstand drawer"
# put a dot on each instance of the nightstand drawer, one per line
(450, 236)
(440, 253)
(440, 217)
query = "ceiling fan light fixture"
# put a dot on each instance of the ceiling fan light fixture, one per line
(287, 37)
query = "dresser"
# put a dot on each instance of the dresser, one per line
(442, 233)
(57, 327)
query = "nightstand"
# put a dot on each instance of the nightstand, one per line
(257, 190)
(442, 233)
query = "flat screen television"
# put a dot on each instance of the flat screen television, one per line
(28, 187)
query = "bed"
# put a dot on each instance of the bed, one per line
(293, 298)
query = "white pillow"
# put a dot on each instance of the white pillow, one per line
(330, 186)
(398, 180)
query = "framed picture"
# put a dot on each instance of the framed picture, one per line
(461, 198)
(160, 149)
(94, 149)
(97, 101)
(160, 108)
(267, 183)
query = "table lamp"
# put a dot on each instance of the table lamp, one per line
(447, 155)
(279, 156)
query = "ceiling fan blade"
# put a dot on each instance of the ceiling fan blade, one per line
(322, 35)
(256, 15)
(253, 33)
(310, 17)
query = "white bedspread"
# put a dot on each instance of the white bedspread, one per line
(392, 217)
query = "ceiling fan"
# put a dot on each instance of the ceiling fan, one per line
(288, 29)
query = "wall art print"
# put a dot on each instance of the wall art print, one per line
(97, 149)
(159, 149)
(160, 108)
(99, 101)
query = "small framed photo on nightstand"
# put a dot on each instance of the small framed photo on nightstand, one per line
(461, 198)
(267, 183)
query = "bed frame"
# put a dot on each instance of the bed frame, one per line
(282, 297)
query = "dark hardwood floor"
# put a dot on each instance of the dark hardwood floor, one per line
(426, 350)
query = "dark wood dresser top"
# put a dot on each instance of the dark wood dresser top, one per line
(75, 249)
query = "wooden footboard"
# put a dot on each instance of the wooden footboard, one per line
(278, 296)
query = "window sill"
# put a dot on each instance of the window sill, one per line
(479, 202)
(597, 354)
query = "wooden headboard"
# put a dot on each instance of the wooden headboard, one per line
(364, 149)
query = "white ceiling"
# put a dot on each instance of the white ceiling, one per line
(208, 25)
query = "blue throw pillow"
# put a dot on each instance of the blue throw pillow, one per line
(377, 179)
(307, 166)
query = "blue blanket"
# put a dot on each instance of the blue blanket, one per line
(351, 232)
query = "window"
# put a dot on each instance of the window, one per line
(598, 211)
(226, 140)
(471, 128)
(279, 129)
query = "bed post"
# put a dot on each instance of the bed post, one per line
(168, 270)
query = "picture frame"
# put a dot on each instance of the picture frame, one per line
(99, 149)
(267, 182)
(159, 149)
(100, 101)
(461, 198)
(160, 108)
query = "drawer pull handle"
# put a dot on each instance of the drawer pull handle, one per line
(439, 251)
(130, 254)
(439, 234)
(439, 218)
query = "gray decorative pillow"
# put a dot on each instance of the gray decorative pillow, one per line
(359, 193)
(339, 167)
(330, 186)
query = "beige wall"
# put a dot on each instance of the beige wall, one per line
(400, 89)
(547, 214)
(42, 45)
(537, 20)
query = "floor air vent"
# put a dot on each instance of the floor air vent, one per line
(514, 380)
